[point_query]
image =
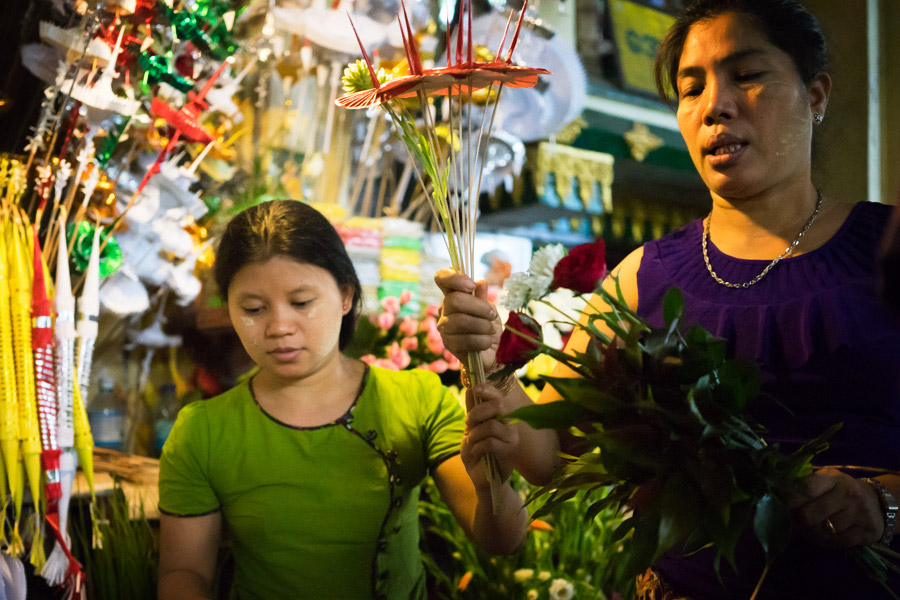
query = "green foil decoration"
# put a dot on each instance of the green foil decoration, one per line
(110, 142)
(213, 204)
(211, 38)
(158, 68)
(110, 256)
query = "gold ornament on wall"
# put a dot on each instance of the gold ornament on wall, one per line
(641, 141)
(571, 131)
(568, 164)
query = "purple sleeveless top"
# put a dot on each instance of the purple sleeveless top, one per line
(827, 350)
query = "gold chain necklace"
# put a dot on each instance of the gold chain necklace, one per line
(768, 268)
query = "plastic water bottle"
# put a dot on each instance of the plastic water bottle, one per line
(168, 409)
(106, 413)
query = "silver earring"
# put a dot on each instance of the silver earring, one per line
(818, 118)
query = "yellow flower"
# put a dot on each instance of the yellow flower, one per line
(521, 575)
(357, 78)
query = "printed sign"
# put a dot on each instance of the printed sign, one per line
(638, 31)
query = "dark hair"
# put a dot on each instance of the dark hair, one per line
(785, 23)
(293, 230)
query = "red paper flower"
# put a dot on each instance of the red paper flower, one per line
(463, 77)
(581, 269)
(514, 349)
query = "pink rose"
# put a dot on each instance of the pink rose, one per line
(434, 342)
(368, 359)
(438, 366)
(409, 326)
(391, 304)
(385, 363)
(428, 323)
(581, 269)
(452, 361)
(433, 310)
(493, 293)
(405, 297)
(398, 356)
(385, 320)
(514, 349)
(410, 343)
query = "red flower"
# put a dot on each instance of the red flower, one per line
(514, 349)
(581, 269)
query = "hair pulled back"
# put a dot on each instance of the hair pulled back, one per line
(786, 24)
(293, 230)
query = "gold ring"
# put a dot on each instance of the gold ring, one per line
(464, 377)
(830, 526)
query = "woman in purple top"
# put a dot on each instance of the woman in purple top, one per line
(784, 272)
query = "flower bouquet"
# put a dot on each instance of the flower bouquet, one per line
(661, 416)
(454, 169)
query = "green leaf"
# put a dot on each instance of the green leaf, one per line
(727, 541)
(634, 448)
(698, 540)
(678, 511)
(551, 415)
(585, 394)
(771, 524)
(738, 384)
(673, 306)
(622, 530)
(595, 509)
(644, 543)
(659, 344)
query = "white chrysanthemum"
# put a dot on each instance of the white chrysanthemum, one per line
(544, 260)
(539, 285)
(560, 589)
(533, 595)
(516, 291)
(521, 575)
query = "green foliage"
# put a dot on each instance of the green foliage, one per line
(574, 543)
(123, 561)
(664, 411)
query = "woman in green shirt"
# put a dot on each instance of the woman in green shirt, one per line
(313, 465)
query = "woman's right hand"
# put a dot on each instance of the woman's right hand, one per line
(468, 323)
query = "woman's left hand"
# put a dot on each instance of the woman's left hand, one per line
(485, 433)
(837, 510)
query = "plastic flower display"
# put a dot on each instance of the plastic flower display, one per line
(662, 413)
(393, 342)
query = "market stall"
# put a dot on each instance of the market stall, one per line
(158, 121)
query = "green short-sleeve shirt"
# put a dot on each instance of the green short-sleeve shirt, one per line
(322, 512)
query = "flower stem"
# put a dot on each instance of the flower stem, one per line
(762, 578)
(476, 374)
